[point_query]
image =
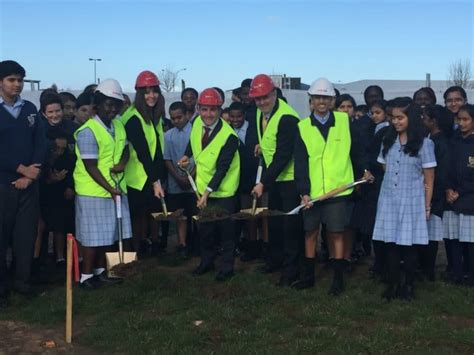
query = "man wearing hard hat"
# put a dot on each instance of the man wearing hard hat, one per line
(214, 146)
(324, 157)
(275, 124)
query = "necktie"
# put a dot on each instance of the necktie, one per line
(264, 123)
(205, 137)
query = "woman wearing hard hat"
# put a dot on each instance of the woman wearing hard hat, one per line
(144, 172)
(323, 153)
(101, 149)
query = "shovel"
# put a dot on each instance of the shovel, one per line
(191, 181)
(165, 215)
(254, 212)
(120, 257)
(329, 194)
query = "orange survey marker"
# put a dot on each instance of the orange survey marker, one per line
(72, 266)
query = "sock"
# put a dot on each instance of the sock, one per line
(85, 277)
(60, 260)
(98, 271)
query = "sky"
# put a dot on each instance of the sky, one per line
(222, 42)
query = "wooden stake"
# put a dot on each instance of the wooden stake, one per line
(69, 291)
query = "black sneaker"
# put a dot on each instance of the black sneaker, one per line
(90, 284)
(224, 276)
(106, 280)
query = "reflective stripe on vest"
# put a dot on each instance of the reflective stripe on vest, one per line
(329, 161)
(268, 141)
(206, 160)
(110, 153)
(135, 175)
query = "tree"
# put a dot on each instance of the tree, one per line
(168, 79)
(460, 72)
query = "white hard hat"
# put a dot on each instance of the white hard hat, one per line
(111, 88)
(322, 87)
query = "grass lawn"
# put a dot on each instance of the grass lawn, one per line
(155, 311)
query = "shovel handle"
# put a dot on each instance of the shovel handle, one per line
(163, 206)
(254, 204)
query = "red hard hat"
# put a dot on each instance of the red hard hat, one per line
(261, 85)
(146, 79)
(210, 97)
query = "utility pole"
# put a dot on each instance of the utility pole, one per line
(95, 60)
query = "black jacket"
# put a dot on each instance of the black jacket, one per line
(286, 135)
(438, 201)
(155, 169)
(461, 173)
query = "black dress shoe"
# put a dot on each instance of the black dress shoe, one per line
(286, 282)
(224, 276)
(337, 287)
(106, 280)
(90, 284)
(202, 269)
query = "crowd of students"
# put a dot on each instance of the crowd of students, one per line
(62, 168)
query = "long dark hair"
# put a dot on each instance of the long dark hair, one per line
(149, 114)
(415, 129)
(443, 119)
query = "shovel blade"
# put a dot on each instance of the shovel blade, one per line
(113, 259)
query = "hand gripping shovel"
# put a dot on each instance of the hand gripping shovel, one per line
(254, 212)
(207, 214)
(165, 215)
(120, 257)
(330, 194)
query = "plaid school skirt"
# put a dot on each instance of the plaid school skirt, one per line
(435, 228)
(96, 222)
(459, 226)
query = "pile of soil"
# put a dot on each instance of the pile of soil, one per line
(243, 216)
(212, 214)
(129, 269)
(176, 215)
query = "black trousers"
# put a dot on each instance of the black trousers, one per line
(211, 232)
(19, 213)
(285, 233)
(395, 253)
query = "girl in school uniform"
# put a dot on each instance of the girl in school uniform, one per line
(460, 194)
(101, 149)
(439, 125)
(404, 203)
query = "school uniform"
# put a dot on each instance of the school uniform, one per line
(401, 217)
(215, 152)
(96, 224)
(435, 222)
(176, 141)
(22, 141)
(276, 135)
(365, 209)
(327, 156)
(461, 180)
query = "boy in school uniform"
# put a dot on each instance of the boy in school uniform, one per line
(179, 192)
(22, 151)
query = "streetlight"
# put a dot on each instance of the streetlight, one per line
(179, 71)
(95, 60)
